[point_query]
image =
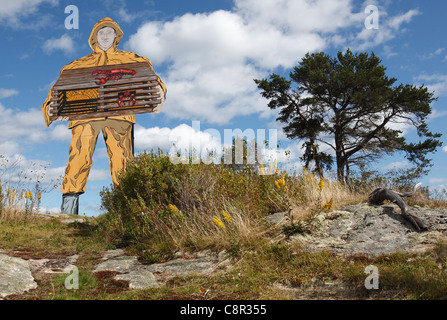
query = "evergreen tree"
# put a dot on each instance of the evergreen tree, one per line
(348, 103)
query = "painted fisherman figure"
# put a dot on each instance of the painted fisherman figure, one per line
(117, 130)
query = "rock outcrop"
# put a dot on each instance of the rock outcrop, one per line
(141, 276)
(373, 230)
(15, 276)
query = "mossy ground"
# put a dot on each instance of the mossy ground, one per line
(261, 269)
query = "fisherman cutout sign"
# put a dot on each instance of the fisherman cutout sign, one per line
(101, 92)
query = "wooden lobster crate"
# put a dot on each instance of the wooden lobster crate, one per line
(105, 91)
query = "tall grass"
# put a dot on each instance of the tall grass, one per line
(21, 188)
(160, 206)
(18, 205)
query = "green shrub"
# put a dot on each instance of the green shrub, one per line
(158, 203)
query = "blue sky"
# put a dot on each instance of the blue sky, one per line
(207, 53)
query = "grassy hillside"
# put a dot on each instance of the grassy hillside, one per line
(161, 208)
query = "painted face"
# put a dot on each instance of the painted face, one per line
(106, 36)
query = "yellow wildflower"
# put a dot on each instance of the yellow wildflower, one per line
(173, 208)
(329, 205)
(227, 217)
(283, 182)
(285, 189)
(28, 195)
(304, 171)
(321, 184)
(218, 222)
(261, 167)
(277, 184)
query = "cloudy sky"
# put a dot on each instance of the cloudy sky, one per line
(207, 53)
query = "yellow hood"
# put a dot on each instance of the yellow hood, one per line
(106, 22)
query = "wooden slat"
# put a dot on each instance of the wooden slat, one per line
(100, 114)
(72, 78)
(136, 98)
(137, 104)
(114, 94)
(105, 105)
(131, 86)
(93, 85)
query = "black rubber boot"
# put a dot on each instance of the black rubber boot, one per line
(70, 203)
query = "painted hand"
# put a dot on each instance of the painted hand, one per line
(162, 96)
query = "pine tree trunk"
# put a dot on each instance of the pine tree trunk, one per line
(340, 168)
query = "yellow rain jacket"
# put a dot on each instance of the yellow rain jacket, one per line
(117, 130)
(101, 58)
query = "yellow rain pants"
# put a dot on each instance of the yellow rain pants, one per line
(118, 138)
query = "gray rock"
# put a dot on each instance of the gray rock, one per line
(139, 279)
(15, 276)
(142, 276)
(53, 266)
(129, 269)
(373, 230)
(119, 264)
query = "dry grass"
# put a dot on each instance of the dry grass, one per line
(18, 205)
(181, 207)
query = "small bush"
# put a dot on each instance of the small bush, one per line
(182, 204)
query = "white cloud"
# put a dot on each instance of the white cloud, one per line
(212, 58)
(60, 132)
(193, 139)
(441, 183)
(125, 15)
(436, 114)
(396, 165)
(20, 125)
(5, 93)
(389, 27)
(27, 127)
(43, 210)
(98, 174)
(395, 22)
(402, 125)
(444, 149)
(431, 55)
(388, 51)
(12, 9)
(184, 137)
(65, 43)
(8, 148)
(436, 83)
(14, 12)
